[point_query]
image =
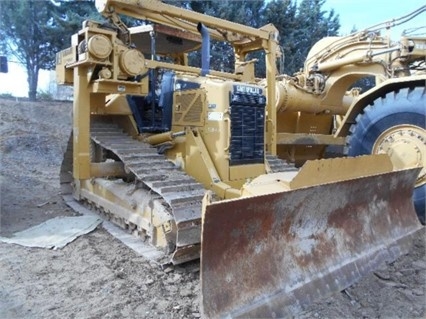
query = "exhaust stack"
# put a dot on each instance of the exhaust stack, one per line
(205, 49)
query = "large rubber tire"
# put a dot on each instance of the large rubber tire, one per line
(408, 106)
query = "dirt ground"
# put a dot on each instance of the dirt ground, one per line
(96, 276)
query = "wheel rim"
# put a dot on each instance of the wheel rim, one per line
(406, 147)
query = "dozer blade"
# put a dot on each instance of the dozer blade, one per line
(271, 255)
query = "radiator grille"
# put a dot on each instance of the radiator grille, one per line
(247, 112)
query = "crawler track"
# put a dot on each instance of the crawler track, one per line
(179, 193)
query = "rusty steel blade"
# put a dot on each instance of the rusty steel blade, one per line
(272, 255)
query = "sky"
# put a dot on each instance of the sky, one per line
(360, 14)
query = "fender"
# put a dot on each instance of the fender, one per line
(379, 90)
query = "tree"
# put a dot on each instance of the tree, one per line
(300, 28)
(34, 31)
(243, 12)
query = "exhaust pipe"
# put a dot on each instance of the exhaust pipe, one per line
(205, 49)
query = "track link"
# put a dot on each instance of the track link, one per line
(278, 165)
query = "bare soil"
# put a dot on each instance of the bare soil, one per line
(96, 276)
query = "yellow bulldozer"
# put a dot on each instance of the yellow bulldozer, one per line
(200, 163)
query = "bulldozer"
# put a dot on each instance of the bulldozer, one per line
(191, 160)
